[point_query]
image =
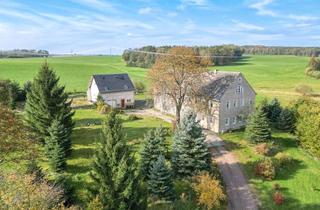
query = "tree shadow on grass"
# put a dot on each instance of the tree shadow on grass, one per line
(243, 60)
(88, 122)
(285, 142)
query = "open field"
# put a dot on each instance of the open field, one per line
(271, 76)
(299, 181)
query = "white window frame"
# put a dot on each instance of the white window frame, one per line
(235, 103)
(239, 89)
(234, 120)
(227, 121)
(228, 105)
(240, 79)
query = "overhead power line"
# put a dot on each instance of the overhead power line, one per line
(169, 54)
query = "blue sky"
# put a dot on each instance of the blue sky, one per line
(95, 26)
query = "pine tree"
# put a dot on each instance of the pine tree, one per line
(54, 149)
(154, 145)
(286, 120)
(47, 101)
(160, 182)
(115, 173)
(190, 154)
(258, 128)
(275, 110)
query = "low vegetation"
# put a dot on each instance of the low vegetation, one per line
(313, 68)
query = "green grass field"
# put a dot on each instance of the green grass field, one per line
(271, 76)
(299, 181)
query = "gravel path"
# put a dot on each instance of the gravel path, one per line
(239, 193)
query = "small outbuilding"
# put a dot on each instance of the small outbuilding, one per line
(117, 90)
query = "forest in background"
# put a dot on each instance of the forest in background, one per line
(23, 53)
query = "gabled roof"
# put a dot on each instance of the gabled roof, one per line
(113, 82)
(216, 83)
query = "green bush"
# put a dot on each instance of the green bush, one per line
(139, 86)
(265, 168)
(133, 117)
(283, 159)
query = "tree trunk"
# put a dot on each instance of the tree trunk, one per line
(178, 110)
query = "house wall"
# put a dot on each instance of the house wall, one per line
(240, 105)
(215, 118)
(114, 99)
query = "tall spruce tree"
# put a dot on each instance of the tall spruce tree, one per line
(286, 120)
(54, 148)
(258, 127)
(154, 146)
(274, 110)
(160, 182)
(190, 154)
(46, 101)
(115, 173)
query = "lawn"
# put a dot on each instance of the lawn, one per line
(86, 132)
(299, 182)
(271, 76)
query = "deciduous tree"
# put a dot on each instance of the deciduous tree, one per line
(176, 74)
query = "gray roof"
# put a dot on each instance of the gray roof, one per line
(216, 83)
(113, 82)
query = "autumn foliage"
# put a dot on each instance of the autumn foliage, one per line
(209, 191)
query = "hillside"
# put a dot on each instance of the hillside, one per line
(272, 76)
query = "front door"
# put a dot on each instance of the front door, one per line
(122, 103)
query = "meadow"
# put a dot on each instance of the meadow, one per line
(270, 76)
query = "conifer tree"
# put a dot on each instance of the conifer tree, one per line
(258, 128)
(160, 182)
(274, 110)
(115, 172)
(154, 145)
(190, 154)
(54, 148)
(286, 120)
(47, 101)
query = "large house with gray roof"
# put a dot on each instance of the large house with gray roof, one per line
(230, 100)
(117, 90)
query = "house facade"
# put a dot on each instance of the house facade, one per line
(229, 101)
(117, 90)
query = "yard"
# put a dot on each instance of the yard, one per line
(86, 132)
(299, 182)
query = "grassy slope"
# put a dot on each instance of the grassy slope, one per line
(299, 182)
(88, 125)
(74, 72)
(272, 76)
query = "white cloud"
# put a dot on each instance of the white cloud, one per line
(97, 4)
(261, 7)
(247, 26)
(302, 17)
(172, 14)
(145, 10)
(198, 3)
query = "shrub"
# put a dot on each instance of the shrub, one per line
(209, 191)
(278, 198)
(283, 159)
(276, 186)
(262, 149)
(139, 86)
(304, 90)
(266, 169)
(133, 117)
(286, 120)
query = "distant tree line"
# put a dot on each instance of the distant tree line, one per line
(23, 53)
(277, 50)
(145, 57)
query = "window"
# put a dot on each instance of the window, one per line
(228, 104)
(239, 118)
(235, 103)
(234, 120)
(240, 79)
(227, 121)
(239, 89)
(128, 100)
(250, 102)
